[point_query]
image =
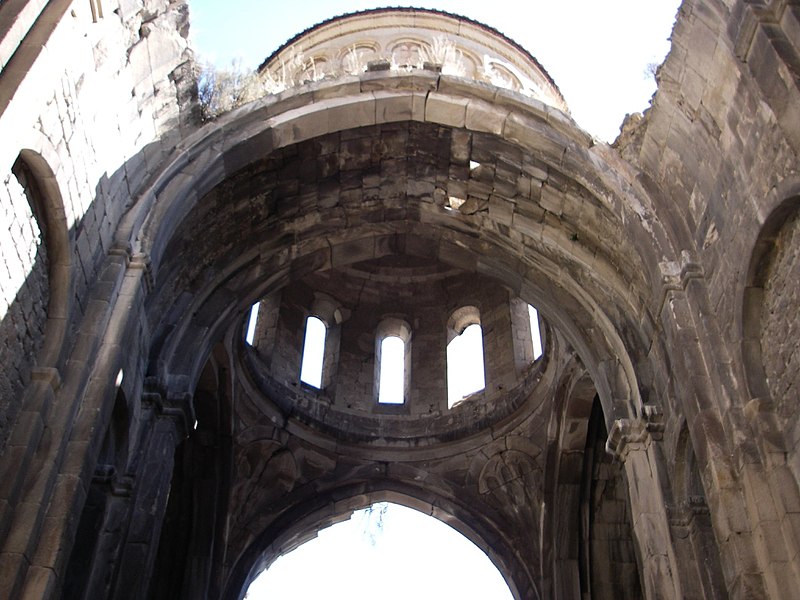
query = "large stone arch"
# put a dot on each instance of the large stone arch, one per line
(279, 122)
(307, 517)
(591, 270)
(781, 207)
(649, 282)
(51, 213)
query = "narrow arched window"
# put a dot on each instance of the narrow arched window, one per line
(313, 352)
(391, 389)
(465, 360)
(536, 334)
(252, 321)
(392, 361)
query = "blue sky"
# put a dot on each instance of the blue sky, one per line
(597, 51)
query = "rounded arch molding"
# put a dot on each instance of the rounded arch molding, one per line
(780, 212)
(50, 212)
(222, 149)
(298, 524)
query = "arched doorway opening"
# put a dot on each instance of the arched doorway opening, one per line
(366, 555)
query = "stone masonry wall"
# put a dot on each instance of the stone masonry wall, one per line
(106, 97)
(93, 102)
(22, 328)
(717, 145)
(780, 326)
(713, 147)
(353, 385)
(100, 104)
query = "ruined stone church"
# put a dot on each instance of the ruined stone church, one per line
(405, 176)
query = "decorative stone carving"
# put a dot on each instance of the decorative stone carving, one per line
(624, 433)
(406, 40)
(627, 434)
(510, 475)
(407, 54)
(510, 479)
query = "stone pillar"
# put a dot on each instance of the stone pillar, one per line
(167, 426)
(631, 441)
(756, 561)
(108, 545)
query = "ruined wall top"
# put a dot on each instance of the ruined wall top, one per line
(404, 39)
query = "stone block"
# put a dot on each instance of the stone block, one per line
(454, 255)
(528, 222)
(345, 86)
(22, 537)
(564, 124)
(349, 113)
(446, 110)
(416, 81)
(501, 210)
(393, 107)
(784, 584)
(164, 49)
(460, 149)
(28, 428)
(13, 567)
(484, 117)
(769, 537)
(12, 471)
(787, 492)
(533, 136)
(758, 496)
(288, 129)
(551, 200)
(748, 585)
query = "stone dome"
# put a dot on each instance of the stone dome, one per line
(405, 39)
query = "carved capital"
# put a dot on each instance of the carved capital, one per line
(119, 485)
(626, 435)
(635, 434)
(177, 406)
(142, 262)
(135, 260)
(675, 276)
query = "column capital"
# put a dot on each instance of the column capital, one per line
(626, 435)
(635, 434)
(177, 406)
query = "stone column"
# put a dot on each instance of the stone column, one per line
(167, 426)
(106, 555)
(631, 441)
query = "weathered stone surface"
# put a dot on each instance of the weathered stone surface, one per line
(148, 450)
